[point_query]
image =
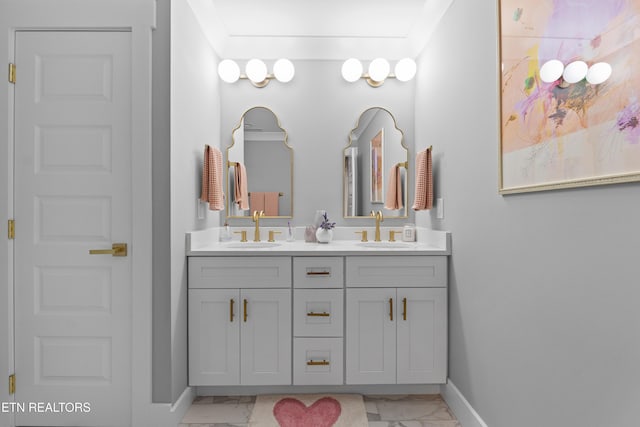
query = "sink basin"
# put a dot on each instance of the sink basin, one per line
(385, 245)
(252, 245)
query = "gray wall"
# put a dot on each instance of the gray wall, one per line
(544, 318)
(318, 109)
(161, 355)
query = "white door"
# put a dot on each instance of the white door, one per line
(73, 194)
(371, 336)
(422, 341)
(265, 338)
(214, 337)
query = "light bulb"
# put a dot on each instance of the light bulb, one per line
(551, 71)
(351, 70)
(575, 72)
(379, 69)
(256, 70)
(283, 70)
(405, 69)
(599, 73)
(228, 71)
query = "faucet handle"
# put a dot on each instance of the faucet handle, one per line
(271, 235)
(243, 235)
(392, 235)
(364, 235)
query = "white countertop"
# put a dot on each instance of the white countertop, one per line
(206, 243)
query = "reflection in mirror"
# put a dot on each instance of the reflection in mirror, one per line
(259, 167)
(375, 167)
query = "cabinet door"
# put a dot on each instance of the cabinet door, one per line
(214, 337)
(266, 336)
(422, 339)
(371, 336)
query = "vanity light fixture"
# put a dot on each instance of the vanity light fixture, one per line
(379, 70)
(256, 71)
(574, 72)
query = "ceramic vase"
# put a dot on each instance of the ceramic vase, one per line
(324, 236)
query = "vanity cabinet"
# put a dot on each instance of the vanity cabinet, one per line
(396, 334)
(240, 335)
(318, 308)
(317, 320)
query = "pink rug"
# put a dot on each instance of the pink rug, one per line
(309, 410)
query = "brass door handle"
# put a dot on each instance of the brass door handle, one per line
(313, 314)
(245, 309)
(117, 249)
(231, 310)
(317, 363)
(404, 309)
(391, 309)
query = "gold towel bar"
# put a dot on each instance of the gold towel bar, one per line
(279, 194)
(232, 163)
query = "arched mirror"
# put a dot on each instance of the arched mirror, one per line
(259, 167)
(375, 167)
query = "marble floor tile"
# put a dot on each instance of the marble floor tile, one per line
(433, 410)
(218, 413)
(382, 411)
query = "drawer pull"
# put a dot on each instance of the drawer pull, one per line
(231, 301)
(404, 309)
(318, 363)
(318, 273)
(323, 314)
(245, 310)
(391, 309)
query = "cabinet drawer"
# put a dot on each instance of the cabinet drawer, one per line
(317, 361)
(318, 272)
(397, 271)
(318, 312)
(239, 272)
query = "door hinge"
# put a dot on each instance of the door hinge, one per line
(12, 73)
(12, 229)
(12, 384)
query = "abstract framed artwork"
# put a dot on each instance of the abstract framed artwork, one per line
(376, 147)
(558, 134)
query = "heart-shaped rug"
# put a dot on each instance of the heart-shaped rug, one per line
(309, 410)
(290, 412)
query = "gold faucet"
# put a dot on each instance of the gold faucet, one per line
(256, 219)
(379, 218)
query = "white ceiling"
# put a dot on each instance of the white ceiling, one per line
(318, 29)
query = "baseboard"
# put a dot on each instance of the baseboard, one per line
(166, 415)
(463, 411)
(244, 390)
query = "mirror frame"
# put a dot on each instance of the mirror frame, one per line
(228, 165)
(350, 144)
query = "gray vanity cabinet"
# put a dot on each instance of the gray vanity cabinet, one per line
(239, 320)
(396, 320)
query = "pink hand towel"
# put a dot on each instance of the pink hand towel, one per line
(212, 191)
(424, 181)
(394, 189)
(240, 187)
(271, 199)
(256, 201)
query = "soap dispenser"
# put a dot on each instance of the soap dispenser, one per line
(225, 233)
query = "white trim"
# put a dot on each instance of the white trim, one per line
(166, 415)
(463, 411)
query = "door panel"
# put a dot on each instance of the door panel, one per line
(214, 337)
(421, 337)
(371, 337)
(72, 194)
(266, 337)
